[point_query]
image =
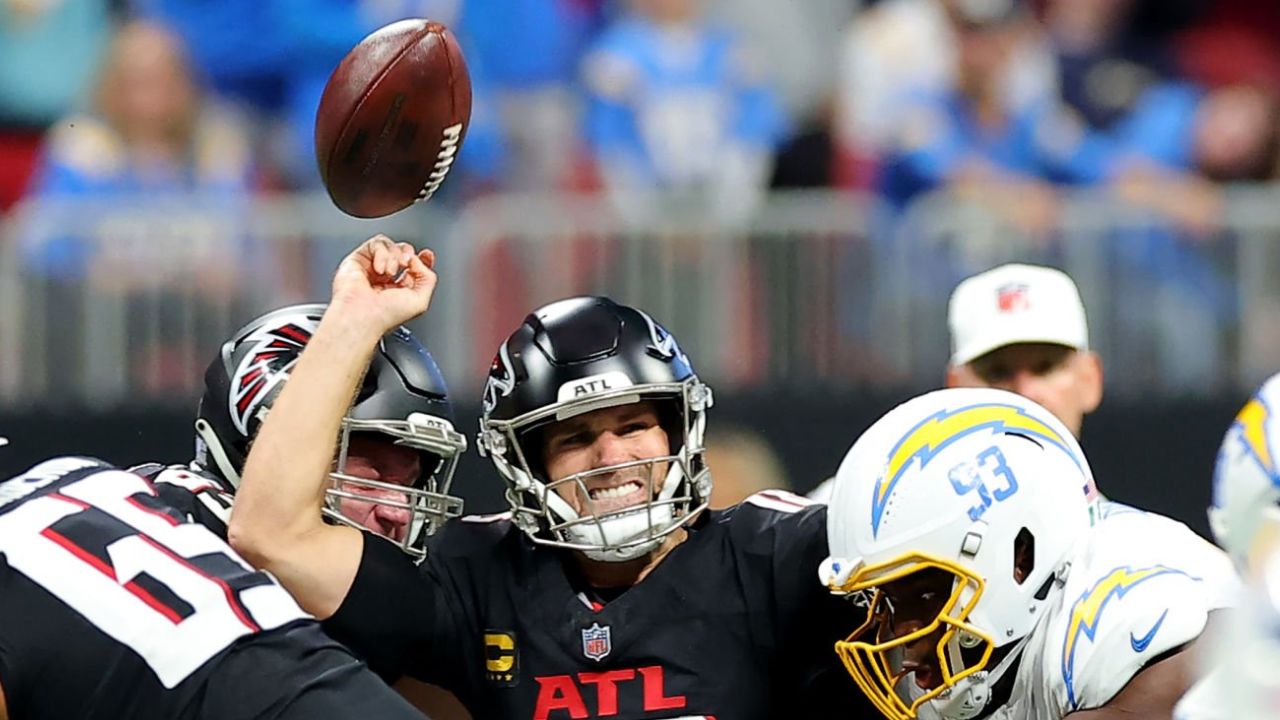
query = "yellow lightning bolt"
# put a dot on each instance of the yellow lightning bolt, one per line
(1087, 610)
(1253, 424)
(927, 438)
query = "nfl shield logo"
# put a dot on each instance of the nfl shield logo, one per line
(595, 642)
(1012, 297)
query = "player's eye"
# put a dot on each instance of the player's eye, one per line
(634, 427)
(571, 441)
(994, 374)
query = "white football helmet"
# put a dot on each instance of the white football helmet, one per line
(1245, 511)
(945, 487)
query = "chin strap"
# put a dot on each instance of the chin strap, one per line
(207, 444)
(969, 697)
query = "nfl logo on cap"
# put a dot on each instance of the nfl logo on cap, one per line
(1012, 297)
(595, 642)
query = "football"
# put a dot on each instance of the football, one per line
(392, 118)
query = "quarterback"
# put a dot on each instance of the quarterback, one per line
(609, 590)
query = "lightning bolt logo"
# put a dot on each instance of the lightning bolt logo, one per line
(1087, 611)
(1254, 420)
(930, 436)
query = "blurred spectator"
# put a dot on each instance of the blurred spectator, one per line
(901, 50)
(1104, 67)
(48, 52)
(1235, 42)
(150, 131)
(969, 136)
(675, 105)
(233, 44)
(319, 33)
(530, 52)
(1121, 109)
(742, 463)
(793, 43)
(143, 197)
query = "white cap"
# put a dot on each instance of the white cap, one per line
(1015, 304)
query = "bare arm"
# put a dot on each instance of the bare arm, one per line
(4, 710)
(276, 522)
(1151, 693)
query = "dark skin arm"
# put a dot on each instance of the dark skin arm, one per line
(4, 710)
(1154, 691)
(1151, 693)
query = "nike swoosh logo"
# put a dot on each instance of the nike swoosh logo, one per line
(1140, 644)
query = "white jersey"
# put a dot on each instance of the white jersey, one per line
(1241, 682)
(1140, 584)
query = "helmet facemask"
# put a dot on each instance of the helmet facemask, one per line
(676, 486)
(985, 493)
(877, 653)
(427, 500)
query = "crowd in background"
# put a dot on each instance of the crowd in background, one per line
(723, 98)
(196, 107)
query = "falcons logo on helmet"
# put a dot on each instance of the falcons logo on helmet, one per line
(501, 381)
(271, 354)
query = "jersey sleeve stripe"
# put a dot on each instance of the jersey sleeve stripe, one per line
(780, 500)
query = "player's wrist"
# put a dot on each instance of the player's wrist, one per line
(351, 325)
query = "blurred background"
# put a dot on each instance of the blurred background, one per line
(793, 188)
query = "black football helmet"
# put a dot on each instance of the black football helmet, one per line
(572, 357)
(403, 396)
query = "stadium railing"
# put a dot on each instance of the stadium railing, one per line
(109, 303)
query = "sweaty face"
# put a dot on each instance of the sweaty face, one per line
(600, 439)
(375, 457)
(1066, 381)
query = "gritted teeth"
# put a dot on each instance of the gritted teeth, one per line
(616, 492)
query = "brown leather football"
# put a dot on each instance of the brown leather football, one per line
(392, 118)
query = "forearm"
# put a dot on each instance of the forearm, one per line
(276, 522)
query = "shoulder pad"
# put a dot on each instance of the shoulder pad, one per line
(1144, 585)
(48, 474)
(193, 479)
(756, 521)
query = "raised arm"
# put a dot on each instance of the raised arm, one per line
(276, 522)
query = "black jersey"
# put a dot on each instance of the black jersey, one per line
(198, 494)
(112, 606)
(733, 624)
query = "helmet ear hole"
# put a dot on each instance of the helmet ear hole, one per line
(1024, 555)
